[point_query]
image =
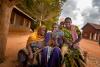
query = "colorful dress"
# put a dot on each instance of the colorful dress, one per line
(35, 40)
(73, 57)
(34, 44)
(49, 56)
(71, 36)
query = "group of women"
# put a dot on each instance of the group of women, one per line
(56, 48)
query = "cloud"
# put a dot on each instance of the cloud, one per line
(92, 14)
(96, 3)
(82, 11)
(68, 8)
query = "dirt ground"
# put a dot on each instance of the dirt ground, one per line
(16, 42)
(93, 50)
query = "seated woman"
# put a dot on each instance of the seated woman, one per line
(57, 35)
(72, 55)
(34, 43)
(51, 55)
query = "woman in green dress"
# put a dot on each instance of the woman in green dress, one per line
(71, 52)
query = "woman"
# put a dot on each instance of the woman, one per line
(72, 35)
(51, 54)
(35, 43)
(57, 35)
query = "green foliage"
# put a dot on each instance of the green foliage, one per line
(50, 22)
(42, 10)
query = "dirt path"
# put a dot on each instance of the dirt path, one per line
(16, 42)
(93, 50)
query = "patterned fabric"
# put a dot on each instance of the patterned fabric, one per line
(34, 37)
(72, 35)
(67, 34)
(73, 57)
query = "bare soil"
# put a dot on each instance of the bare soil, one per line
(18, 41)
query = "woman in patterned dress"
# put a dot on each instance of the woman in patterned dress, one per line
(71, 51)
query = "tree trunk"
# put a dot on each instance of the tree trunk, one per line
(40, 24)
(5, 13)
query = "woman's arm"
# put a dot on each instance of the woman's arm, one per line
(67, 41)
(78, 40)
(79, 35)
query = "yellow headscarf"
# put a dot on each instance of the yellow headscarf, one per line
(34, 38)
